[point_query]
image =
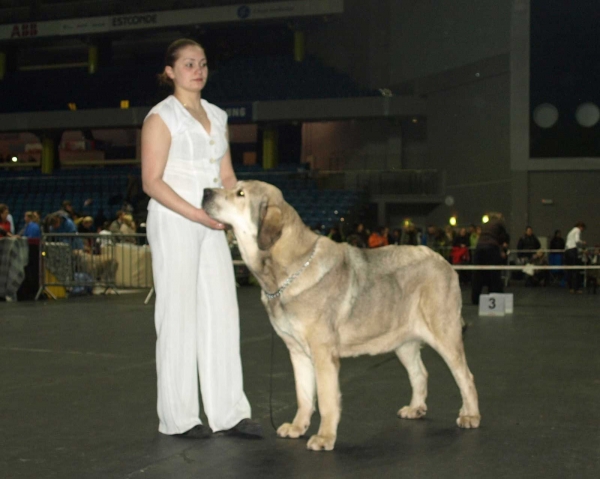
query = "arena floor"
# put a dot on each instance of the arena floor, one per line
(77, 399)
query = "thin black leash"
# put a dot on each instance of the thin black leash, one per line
(271, 379)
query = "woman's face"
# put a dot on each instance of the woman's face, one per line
(4, 214)
(190, 70)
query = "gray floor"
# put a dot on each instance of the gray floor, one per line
(77, 399)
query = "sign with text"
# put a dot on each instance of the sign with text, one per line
(238, 112)
(171, 18)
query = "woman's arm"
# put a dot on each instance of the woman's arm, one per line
(156, 141)
(228, 177)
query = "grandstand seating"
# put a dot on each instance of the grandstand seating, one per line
(243, 79)
(107, 187)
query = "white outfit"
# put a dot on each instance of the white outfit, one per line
(573, 238)
(196, 312)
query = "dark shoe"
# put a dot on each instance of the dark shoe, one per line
(246, 428)
(197, 432)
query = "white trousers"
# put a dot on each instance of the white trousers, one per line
(197, 325)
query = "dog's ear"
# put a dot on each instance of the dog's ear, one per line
(269, 225)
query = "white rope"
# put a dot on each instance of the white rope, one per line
(519, 267)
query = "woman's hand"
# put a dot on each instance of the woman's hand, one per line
(202, 217)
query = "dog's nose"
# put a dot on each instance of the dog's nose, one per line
(208, 193)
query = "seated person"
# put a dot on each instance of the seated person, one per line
(59, 222)
(527, 242)
(127, 229)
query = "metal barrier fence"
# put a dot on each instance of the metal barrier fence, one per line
(73, 264)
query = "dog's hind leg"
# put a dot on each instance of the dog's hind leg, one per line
(304, 375)
(410, 356)
(451, 348)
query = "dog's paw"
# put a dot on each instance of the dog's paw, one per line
(408, 412)
(321, 443)
(290, 430)
(468, 422)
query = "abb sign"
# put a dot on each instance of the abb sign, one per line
(24, 30)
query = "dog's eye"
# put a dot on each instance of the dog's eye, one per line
(241, 193)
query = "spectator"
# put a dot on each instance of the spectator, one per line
(573, 244)
(430, 237)
(128, 229)
(462, 239)
(59, 222)
(5, 225)
(105, 237)
(592, 258)
(528, 242)
(335, 235)
(490, 250)
(32, 228)
(358, 237)
(396, 237)
(378, 238)
(67, 208)
(474, 232)
(115, 226)
(86, 226)
(461, 254)
(540, 276)
(410, 235)
(557, 241)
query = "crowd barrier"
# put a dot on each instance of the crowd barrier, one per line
(72, 264)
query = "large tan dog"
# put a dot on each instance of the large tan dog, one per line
(328, 300)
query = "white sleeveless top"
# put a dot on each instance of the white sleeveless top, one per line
(194, 161)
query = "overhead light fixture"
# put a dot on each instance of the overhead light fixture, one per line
(14, 159)
(452, 221)
(545, 115)
(587, 114)
(485, 219)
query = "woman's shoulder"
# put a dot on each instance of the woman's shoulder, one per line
(168, 110)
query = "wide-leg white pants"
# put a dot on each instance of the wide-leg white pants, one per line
(197, 325)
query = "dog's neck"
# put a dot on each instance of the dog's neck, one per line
(275, 265)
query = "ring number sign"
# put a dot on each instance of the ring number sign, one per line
(492, 304)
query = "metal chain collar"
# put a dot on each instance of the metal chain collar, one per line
(292, 278)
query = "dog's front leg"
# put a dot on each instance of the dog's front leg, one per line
(327, 369)
(304, 375)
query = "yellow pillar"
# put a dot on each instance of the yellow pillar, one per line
(47, 155)
(298, 45)
(92, 59)
(270, 148)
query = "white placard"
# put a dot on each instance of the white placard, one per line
(491, 304)
(508, 303)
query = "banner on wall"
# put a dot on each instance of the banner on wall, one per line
(238, 112)
(172, 18)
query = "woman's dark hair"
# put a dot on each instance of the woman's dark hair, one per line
(172, 55)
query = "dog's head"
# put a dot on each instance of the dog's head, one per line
(252, 208)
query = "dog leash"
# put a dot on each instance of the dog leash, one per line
(271, 380)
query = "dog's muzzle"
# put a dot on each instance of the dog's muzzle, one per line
(208, 197)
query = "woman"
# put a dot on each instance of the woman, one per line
(32, 228)
(184, 150)
(5, 225)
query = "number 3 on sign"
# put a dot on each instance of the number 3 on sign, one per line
(491, 305)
